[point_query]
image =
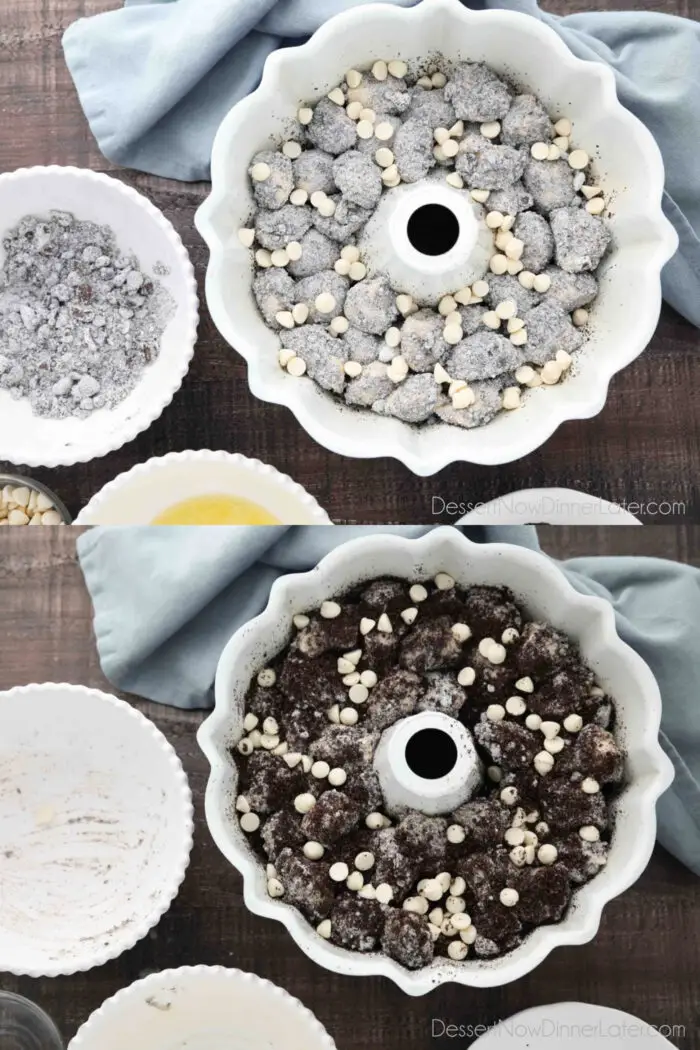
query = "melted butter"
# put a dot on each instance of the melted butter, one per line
(215, 510)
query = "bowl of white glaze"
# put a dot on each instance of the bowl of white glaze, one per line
(140, 228)
(547, 595)
(202, 1008)
(627, 165)
(142, 494)
(95, 828)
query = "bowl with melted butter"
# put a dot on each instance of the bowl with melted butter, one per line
(203, 488)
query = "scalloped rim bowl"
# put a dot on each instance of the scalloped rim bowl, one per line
(202, 1008)
(36, 441)
(96, 826)
(628, 164)
(139, 495)
(547, 594)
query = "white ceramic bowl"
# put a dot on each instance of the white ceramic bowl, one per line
(202, 1008)
(573, 1025)
(141, 228)
(95, 828)
(547, 594)
(144, 492)
(628, 165)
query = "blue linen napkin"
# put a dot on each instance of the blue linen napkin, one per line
(157, 77)
(167, 601)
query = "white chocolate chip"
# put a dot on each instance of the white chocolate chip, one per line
(525, 685)
(409, 615)
(300, 313)
(461, 632)
(398, 69)
(550, 729)
(364, 861)
(589, 833)
(325, 303)
(515, 705)
(313, 850)
(324, 929)
(298, 197)
(250, 822)
(339, 871)
(578, 159)
(304, 803)
(349, 716)
(539, 150)
(296, 366)
(495, 773)
(358, 694)
(418, 905)
(511, 398)
(384, 893)
(246, 237)
(509, 897)
(543, 763)
(355, 881)
(444, 582)
(418, 593)
(250, 722)
(275, 888)
(367, 625)
(554, 746)
(305, 115)
(495, 712)
(491, 129)
(590, 786)
(320, 770)
(369, 679)
(494, 220)
(329, 610)
(573, 723)
(384, 624)
(337, 777)
(260, 172)
(456, 834)
(547, 854)
(380, 70)
(466, 676)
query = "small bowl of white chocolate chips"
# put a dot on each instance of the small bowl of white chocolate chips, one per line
(435, 234)
(24, 501)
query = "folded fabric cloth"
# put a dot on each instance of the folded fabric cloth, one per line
(157, 77)
(167, 601)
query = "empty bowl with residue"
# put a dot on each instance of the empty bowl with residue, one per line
(95, 828)
(202, 1008)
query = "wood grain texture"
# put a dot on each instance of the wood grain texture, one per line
(642, 448)
(645, 959)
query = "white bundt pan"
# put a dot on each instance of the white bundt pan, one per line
(627, 164)
(547, 594)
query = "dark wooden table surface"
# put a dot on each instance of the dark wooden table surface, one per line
(642, 448)
(645, 959)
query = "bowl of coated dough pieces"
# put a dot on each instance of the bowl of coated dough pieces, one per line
(350, 281)
(309, 888)
(99, 305)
